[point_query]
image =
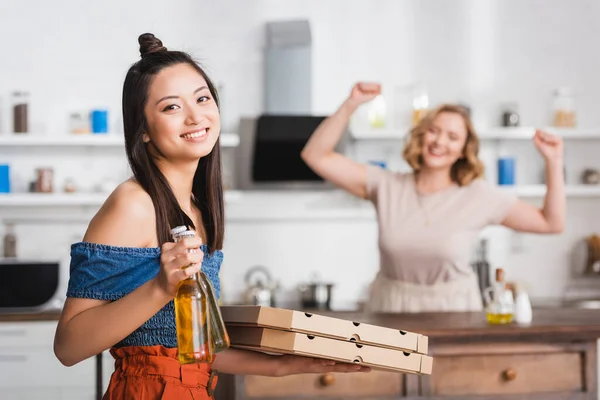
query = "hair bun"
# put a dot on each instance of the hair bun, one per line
(150, 44)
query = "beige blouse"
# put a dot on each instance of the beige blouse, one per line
(428, 239)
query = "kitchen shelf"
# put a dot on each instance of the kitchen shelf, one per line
(498, 133)
(83, 140)
(70, 199)
(540, 190)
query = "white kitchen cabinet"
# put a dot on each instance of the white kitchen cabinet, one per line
(30, 394)
(29, 369)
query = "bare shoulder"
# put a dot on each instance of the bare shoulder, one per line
(125, 219)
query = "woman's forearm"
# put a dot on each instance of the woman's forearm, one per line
(554, 209)
(242, 362)
(97, 329)
(328, 134)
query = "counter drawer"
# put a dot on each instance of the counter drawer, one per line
(498, 374)
(37, 368)
(27, 334)
(374, 383)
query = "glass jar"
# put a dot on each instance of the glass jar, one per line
(20, 105)
(377, 112)
(79, 123)
(564, 108)
(420, 104)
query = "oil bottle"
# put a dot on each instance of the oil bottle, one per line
(219, 338)
(191, 315)
(500, 304)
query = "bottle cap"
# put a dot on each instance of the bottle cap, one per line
(185, 234)
(178, 230)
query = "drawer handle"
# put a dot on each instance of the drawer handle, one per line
(509, 374)
(13, 358)
(13, 332)
(327, 380)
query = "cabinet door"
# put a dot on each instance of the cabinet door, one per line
(30, 394)
(78, 394)
(493, 371)
(37, 368)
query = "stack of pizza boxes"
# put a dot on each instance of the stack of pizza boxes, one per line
(280, 331)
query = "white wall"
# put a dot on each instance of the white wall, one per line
(74, 56)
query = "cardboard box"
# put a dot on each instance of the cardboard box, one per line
(287, 342)
(318, 325)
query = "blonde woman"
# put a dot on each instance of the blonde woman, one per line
(429, 219)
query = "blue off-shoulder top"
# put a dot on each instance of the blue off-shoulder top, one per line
(104, 272)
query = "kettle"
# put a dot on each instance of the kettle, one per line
(260, 293)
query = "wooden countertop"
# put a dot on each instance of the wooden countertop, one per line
(52, 315)
(559, 323)
(567, 323)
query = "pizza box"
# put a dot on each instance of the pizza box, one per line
(276, 341)
(318, 325)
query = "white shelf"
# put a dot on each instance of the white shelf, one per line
(540, 190)
(82, 140)
(528, 132)
(498, 133)
(70, 199)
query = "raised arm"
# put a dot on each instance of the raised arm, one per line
(550, 218)
(319, 152)
(88, 327)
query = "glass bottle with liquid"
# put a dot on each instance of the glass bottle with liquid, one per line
(191, 315)
(499, 299)
(219, 338)
(420, 104)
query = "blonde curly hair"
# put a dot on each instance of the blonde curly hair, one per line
(467, 168)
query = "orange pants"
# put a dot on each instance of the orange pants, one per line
(153, 372)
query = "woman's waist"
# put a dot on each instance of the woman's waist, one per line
(160, 361)
(457, 281)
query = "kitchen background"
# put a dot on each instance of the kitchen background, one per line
(71, 59)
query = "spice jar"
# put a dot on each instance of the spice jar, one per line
(79, 123)
(564, 108)
(20, 102)
(510, 115)
(45, 176)
(10, 241)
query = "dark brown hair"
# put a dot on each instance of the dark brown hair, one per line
(207, 188)
(467, 168)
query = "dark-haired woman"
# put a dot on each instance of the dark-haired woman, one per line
(125, 272)
(429, 218)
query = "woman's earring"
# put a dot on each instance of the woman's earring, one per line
(145, 138)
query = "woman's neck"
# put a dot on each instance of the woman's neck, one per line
(181, 179)
(431, 181)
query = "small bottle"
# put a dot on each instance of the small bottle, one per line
(219, 338)
(499, 301)
(10, 242)
(523, 311)
(191, 316)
